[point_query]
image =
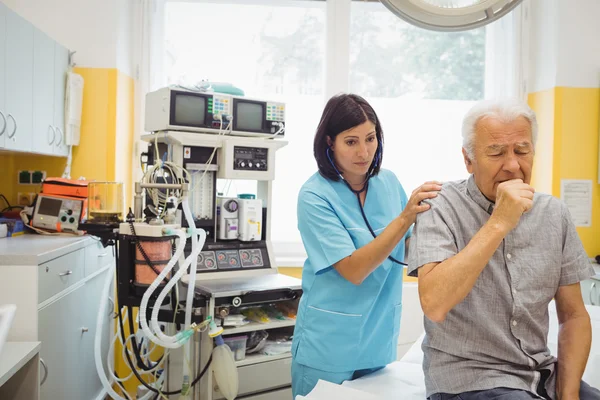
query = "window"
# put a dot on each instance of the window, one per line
(420, 82)
(276, 52)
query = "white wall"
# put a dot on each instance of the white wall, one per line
(97, 29)
(124, 37)
(565, 50)
(578, 61)
(543, 44)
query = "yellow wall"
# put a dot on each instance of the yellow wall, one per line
(569, 135)
(124, 134)
(543, 104)
(105, 148)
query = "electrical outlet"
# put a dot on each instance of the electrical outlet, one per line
(31, 197)
(38, 176)
(24, 177)
(23, 199)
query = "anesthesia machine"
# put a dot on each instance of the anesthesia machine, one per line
(193, 260)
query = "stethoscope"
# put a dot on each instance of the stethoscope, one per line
(358, 192)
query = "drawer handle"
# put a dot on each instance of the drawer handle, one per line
(102, 255)
(45, 371)
(69, 272)
(84, 330)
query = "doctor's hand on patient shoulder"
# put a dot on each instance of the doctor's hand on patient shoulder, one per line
(513, 199)
(428, 190)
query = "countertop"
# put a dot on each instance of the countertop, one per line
(33, 249)
(14, 356)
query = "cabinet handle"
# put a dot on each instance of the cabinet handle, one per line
(69, 272)
(592, 287)
(84, 330)
(60, 136)
(14, 130)
(45, 371)
(4, 125)
(103, 254)
(53, 134)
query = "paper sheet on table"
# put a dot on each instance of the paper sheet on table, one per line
(330, 391)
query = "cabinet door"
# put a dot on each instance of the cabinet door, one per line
(61, 65)
(3, 121)
(93, 296)
(44, 133)
(19, 82)
(60, 333)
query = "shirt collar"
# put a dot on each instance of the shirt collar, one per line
(478, 197)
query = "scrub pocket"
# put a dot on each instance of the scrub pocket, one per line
(331, 339)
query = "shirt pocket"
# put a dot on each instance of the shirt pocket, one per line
(331, 339)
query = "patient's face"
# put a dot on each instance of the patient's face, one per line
(503, 151)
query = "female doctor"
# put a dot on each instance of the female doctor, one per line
(354, 219)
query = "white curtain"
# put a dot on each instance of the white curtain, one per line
(149, 39)
(506, 55)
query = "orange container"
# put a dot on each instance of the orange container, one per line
(65, 187)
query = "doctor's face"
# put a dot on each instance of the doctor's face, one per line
(503, 151)
(353, 151)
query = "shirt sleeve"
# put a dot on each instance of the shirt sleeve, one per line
(404, 200)
(576, 265)
(325, 238)
(432, 240)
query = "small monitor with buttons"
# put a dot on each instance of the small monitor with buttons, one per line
(58, 213)
(180, 109)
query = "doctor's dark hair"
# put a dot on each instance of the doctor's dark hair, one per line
(343, 112)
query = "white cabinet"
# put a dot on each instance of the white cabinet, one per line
(92, 294)
(44, 132)
(19, 82)
(33, 68)
(61, 66)
(57, 304)
(2, 74)
(61, 337)
(67, 330)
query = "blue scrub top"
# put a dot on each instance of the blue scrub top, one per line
(341, 326)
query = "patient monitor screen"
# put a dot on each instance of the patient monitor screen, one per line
(249, 116)
(49, 206)
(189, 110)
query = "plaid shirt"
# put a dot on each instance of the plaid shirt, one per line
(497, 336)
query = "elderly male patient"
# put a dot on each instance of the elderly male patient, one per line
(490, 255)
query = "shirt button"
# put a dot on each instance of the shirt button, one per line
(514, 291)
(514, 322)
(509, 256)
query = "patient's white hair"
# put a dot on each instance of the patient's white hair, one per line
(506, 110)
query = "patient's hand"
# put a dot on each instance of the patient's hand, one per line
(513, 199)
